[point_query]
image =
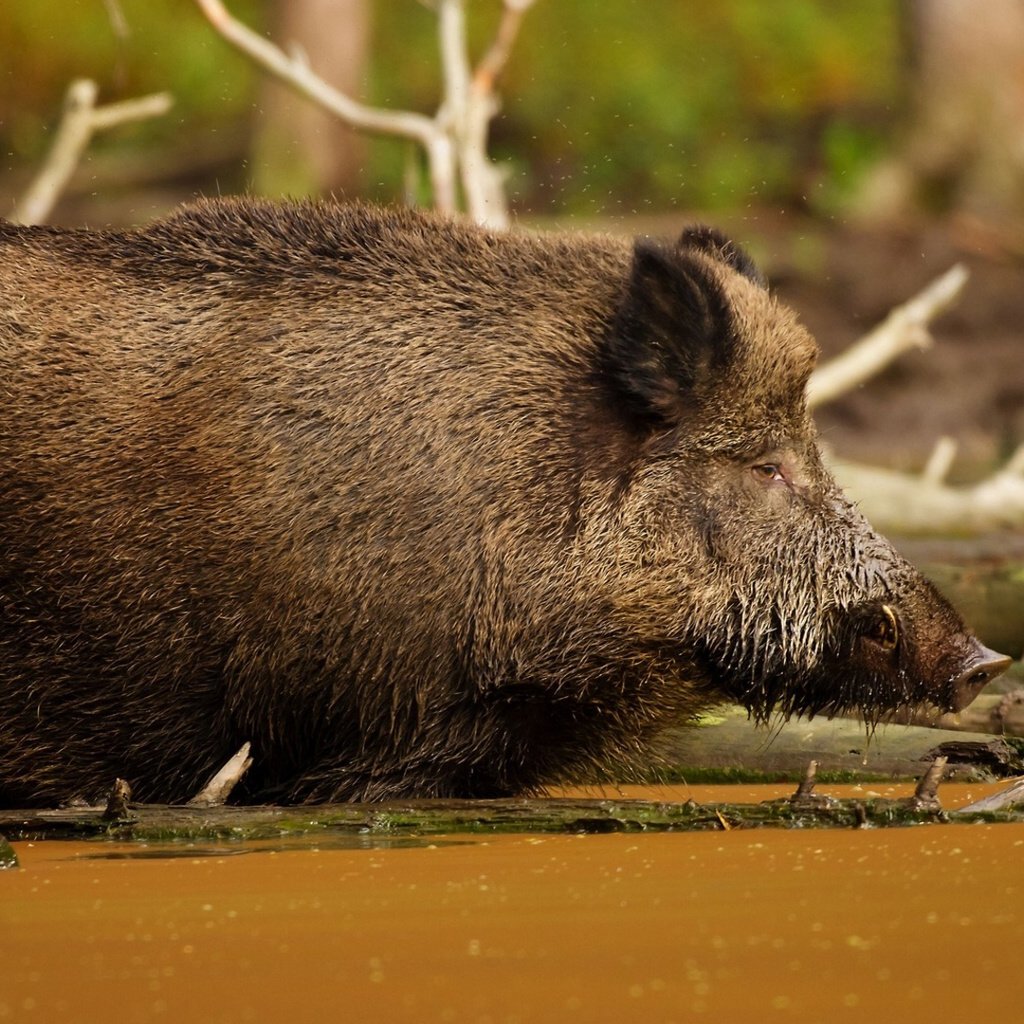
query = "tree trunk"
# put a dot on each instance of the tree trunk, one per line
(300, 149)
(964, 149)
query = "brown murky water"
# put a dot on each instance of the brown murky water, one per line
(906, 925)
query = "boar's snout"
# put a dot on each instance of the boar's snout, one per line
(925, 640)
(982, 665)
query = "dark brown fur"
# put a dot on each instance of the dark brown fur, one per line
(417, 509)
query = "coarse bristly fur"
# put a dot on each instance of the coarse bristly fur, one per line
(417, 509)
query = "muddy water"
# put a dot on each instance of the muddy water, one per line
(907, 925)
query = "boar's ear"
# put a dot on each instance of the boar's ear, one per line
(714, 244)
(670, 332)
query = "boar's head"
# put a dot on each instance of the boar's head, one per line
(787, 598)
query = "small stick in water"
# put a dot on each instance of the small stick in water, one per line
(117, 802)
(805, 795)
(806, 787)
(926, 797)
(218, 789)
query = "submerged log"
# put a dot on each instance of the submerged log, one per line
(426, 819)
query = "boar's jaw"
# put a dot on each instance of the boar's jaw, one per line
(876, 660)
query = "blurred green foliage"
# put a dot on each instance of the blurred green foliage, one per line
(46, 43)
(608, 106)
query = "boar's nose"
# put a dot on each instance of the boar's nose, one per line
(983, 666)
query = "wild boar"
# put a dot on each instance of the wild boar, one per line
(418, 509)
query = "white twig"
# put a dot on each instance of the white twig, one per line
(112, 114)
(295, 72)
(80, 119)
(118, 22)
(218, 789)
(940, 462)
(904, 328)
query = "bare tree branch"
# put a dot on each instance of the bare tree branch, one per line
(467, 112)
(112, 114)
(904, 328)
(494, 60)
(451, 25)
(118, 22)
(294, 71)
(80, 120)
(470, 104)
(455, 139)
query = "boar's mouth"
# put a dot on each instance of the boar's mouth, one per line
(869, 666)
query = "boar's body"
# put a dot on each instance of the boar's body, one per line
(417, 509)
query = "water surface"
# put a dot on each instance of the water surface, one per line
(911, 924)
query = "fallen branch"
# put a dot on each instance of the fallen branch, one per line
(731, 748)
(1012, 796)
(996, 714)
(425, 821)
(216, 792)
(80, 120)
(906, 327)
(901, 503)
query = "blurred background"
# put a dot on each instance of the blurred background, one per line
(857, 147)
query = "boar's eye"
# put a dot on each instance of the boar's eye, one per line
(769, 472)
(884, 629)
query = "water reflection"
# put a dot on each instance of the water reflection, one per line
(101, 850)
